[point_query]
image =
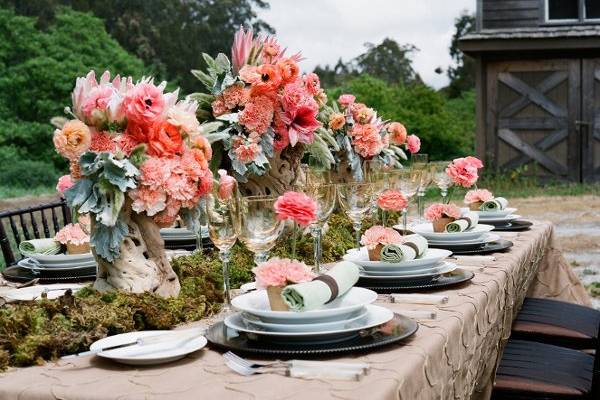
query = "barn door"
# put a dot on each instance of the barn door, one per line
(532, 109)
(589, 125)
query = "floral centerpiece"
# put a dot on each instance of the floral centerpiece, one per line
(276, 274)
(138, 159)
(441, 215)
(353, 132)
(376, 237)
(267, 110)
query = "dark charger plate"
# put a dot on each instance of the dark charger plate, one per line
(21, 274)
(397, 329)
(455, 277)
(513, 226)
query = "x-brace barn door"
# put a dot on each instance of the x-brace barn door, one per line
(589, 125)
(532, 110)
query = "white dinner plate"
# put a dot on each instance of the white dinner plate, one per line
(426, 230)
(251, 320)
(150, 354)
(27, 263)
(494, 214)
(486, 238)
(430, 257)
(442, 269)
(47, 259)
(376, 315)
(507, 219)
(257, 303)
(35, 292)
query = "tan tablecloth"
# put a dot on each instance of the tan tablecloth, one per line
(452, 357)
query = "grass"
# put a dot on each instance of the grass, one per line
(11, 192)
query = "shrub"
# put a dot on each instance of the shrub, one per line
(24, 173)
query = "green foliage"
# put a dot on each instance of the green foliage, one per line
(446, 127)
(462, 75)
(15, 168)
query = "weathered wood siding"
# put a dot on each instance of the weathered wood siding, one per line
(498, 14)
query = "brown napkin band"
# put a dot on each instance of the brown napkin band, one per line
(412, 246)
(333, 286)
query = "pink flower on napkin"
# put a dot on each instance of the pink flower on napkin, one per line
(478, 195)
(226, 184)
(463, 171)
(438, 210)
(377, 234)
(281, 272)
(296, 206)
(392, 200)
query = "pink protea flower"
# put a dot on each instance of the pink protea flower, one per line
(102, 142)
(397, 133)
(392, 200)
(438, 210)
(346, 100)
(247, 153)
(72, 140)
(64, 183)
(413, 144)
(478, 195)
(243, 42)
(257, 115)
(377, 235)
(226, 184)
(147, 200)
(144, 103)
(281, 272)
(463, 171)
(366, 140)
(296, 206)
(72, 234)
(97, 102)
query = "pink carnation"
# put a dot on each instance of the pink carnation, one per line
(247, 153)
(144, 103)
(126, 143)
(377, 235)
(392, 200)
(478, 195)
(438, 210)
(346, 100)
(366, 140)
(73, 234)
(361, 113)
(281, 272)
(148, 200)
(463, 171)
(397, 133)
(102, 142)
(154, 173)
(226, 184)
(235, 96)
(219, 107)
(413, 144)
(257, 115)
(64, 183)
(297, 207)
(312, 83)
(168, 216)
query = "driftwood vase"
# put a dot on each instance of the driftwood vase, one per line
(142, 265)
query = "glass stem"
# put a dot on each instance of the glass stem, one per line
(316, 233)
(374, 213)
(294, 235)
(384, 217)
(261, 257)
(404, 220)
(421, 205)
(357, 227)
(445, 195)
(224, 255)
(199, 244)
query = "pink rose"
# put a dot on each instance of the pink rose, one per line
(478, 195)
(397, 133)
(463, 171)
(144, 103)
(392, 200)
(377, 235)
(226, 184)
(64, 183)
(297, 207)
(346, 100)
(413, 144)
(73, 139)
(280, 272)
(438, 210)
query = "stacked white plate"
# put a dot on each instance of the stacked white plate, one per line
(181, 234)
(344, 317)
(478, 235)
(497, 217)
(430, 265)
(58, 261)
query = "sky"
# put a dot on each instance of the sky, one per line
(325, 30)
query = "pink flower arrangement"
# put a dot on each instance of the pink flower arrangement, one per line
(438, 210)
(478, 195)
(397, 133)
(367, 140)
(73, 234)
(226, 184)
(64, 183)
(281, 272)
(346, 100)
(463, 171)
(392, 200)
(413, 144)
(296, 206)
(377, 235)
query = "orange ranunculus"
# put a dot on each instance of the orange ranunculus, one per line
(138, 132)
(263, 79)
(164, 139)
(336, 121)
(73, 139)
(201, 143)
(289, 69)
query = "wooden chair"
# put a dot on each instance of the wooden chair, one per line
(42, 221)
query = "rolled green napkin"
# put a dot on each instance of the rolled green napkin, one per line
(466, 222)
(416, 242)
(395, 253)
(496, 204)
(39, 246)
(321, 290)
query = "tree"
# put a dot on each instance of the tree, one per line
(168, 35)
(462, 75)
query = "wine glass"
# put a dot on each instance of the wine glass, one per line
(407, 181)
(356, 199)
(260, 227)
(222, 215)
(324, 196)
(375, 172)
(317, 173)
(441, 178)
(420, 163)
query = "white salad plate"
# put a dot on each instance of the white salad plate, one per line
(495, 220)
(442, 269)
(376, 315)
(257, 303)
(430, 257)
(150, 354)
(35, 292)
(495, 214)
(47, 259)
(486, 238)
(32, 264)
(252, 320)
(426, 230)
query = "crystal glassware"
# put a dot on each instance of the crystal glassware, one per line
(419, 162)
(407, 181)
(376, 172)
(356, 200)
(223, 217)
(324, 196)
(441, 178)
(259, 228)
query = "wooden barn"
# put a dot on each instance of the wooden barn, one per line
(538, 86)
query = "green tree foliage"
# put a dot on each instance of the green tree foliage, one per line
(38, 75)
(462, 75)
(446, 127)
(168, 35)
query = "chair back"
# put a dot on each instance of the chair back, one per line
(41, 221)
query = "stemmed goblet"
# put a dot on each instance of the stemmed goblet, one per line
(222, 215)
(324, 196)
(441, 178)
(375, 172)
(407, 181)
(419, 162)
(356, 200)
(260, 228)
